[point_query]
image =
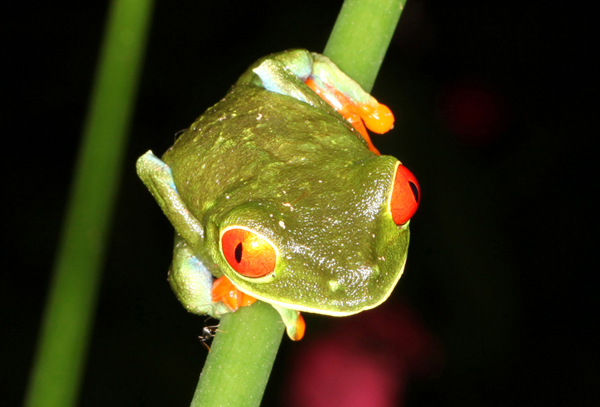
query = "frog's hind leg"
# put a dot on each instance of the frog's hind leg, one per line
(377, 117)
(349, 99)
(157, 176)
(343, 106)
(314, 79)
(192, 282)
(284, 73)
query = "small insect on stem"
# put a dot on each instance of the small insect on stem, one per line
(208, 332)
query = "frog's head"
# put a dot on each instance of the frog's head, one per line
(331, 242)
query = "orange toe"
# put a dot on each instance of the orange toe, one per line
(379, 119)
(224, 290)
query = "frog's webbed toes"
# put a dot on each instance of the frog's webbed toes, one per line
(294, 322)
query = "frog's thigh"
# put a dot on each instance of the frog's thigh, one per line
(157, 176)
(329, 74)
(297, 61)
(192, 282)
(285, 74)
(276, 78)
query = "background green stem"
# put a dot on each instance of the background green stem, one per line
(64, 336)
(237, 369)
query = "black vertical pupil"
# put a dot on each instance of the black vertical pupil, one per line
(238, 252)
(415, 191)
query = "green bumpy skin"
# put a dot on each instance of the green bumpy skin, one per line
(274, 158)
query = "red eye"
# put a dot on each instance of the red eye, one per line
(405, 195)
(248, 253)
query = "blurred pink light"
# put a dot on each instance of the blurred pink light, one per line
(472, 112)
(365, 361)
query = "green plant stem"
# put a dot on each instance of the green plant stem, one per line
(361, 36)
(236, 371)
(58, 364)
(238, 367)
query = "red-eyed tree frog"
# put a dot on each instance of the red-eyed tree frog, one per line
(276, 193)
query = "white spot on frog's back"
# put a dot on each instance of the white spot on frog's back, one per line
(282, 224)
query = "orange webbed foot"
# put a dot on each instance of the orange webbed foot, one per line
(378, 117)
(224, 290)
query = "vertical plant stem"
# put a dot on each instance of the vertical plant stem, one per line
(361, 36)
(238, 367)
(59, 360)
(236, 371)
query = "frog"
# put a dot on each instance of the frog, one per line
(276, 193)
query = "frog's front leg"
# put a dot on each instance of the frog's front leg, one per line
(192, 283)
(293, 321)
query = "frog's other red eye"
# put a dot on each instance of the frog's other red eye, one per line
(248, 253)
(406, 195)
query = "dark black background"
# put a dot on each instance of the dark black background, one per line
(502, 263)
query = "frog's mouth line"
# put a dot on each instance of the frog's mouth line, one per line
(332, 313)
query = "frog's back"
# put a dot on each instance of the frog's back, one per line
(253, 130)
